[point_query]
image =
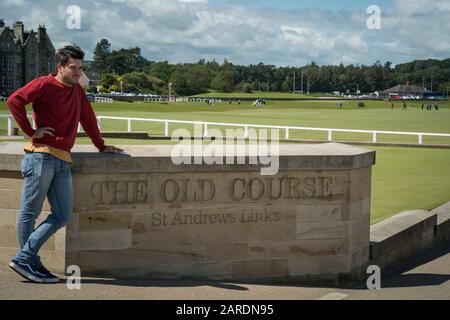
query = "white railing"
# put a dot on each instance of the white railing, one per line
(103, 100)
(286, 129)
(181, 99)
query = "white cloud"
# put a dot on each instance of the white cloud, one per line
(13, 3)
(178, 31)
(193, 1)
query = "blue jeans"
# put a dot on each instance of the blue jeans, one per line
(44, 175)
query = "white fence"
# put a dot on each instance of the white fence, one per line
(287, 129)
(103, 100)
(182, 99)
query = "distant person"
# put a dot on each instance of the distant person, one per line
(436, 107)
(404, 105)
(340, 105)
(422, 106)
(59, 105)
(239, 101)
(392, 105)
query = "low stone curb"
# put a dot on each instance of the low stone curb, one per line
(407, 234)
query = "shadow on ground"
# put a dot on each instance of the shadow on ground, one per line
(396, 278)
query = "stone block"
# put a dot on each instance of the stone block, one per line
(319, 265)
(401, 236)
(10, 199)
(103, 221)
(298, 248)
(8, 239)
(226, 251)
(99, 240)
(254, 269)
(8, 218)
(329, 230)
(442, 234)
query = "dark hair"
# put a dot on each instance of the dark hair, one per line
(65, 53)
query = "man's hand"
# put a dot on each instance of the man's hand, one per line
(39, 132)
(112, 149)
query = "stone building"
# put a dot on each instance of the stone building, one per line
(24, 56)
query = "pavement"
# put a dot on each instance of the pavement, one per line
(424, 278)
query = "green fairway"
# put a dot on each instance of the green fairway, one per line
(403, 178)
(407, 179)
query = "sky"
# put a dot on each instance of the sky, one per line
(282, 33)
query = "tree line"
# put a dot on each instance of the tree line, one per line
(128, 70)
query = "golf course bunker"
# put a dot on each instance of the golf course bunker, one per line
(139, 215)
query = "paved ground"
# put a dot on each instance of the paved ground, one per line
(427, 277)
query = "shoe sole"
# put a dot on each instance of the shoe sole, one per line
(52, 280)
(24, 274)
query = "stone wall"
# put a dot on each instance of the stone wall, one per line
(139, 215)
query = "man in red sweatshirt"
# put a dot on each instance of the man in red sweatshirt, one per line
(59, 104)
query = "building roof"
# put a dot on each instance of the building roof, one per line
(404, 89)
(92, 76)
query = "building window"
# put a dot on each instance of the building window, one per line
(7, 83)
(6, 64)
(6, 47)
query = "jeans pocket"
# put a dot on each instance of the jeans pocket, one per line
(27, 166)
(65, 170)
(41, 163)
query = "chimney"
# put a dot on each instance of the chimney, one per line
(18, 30)
(41, 33)
(2, 23)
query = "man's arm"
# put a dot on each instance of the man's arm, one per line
(19, 99)
(89, 123)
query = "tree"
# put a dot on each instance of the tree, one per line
(190, 79)
(108, 80)
(162, 70)
(101, 54)
(223, 82)
(126, 60)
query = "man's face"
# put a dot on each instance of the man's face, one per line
(71, 72)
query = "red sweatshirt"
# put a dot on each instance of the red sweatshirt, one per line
(57, 106)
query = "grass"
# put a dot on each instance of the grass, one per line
(320, 114)
(407, 179)
(403, 178)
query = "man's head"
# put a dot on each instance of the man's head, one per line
(69, 64)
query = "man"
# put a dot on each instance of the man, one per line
(59, 104)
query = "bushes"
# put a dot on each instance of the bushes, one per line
(361, 105)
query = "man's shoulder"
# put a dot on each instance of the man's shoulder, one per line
(42, 80)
